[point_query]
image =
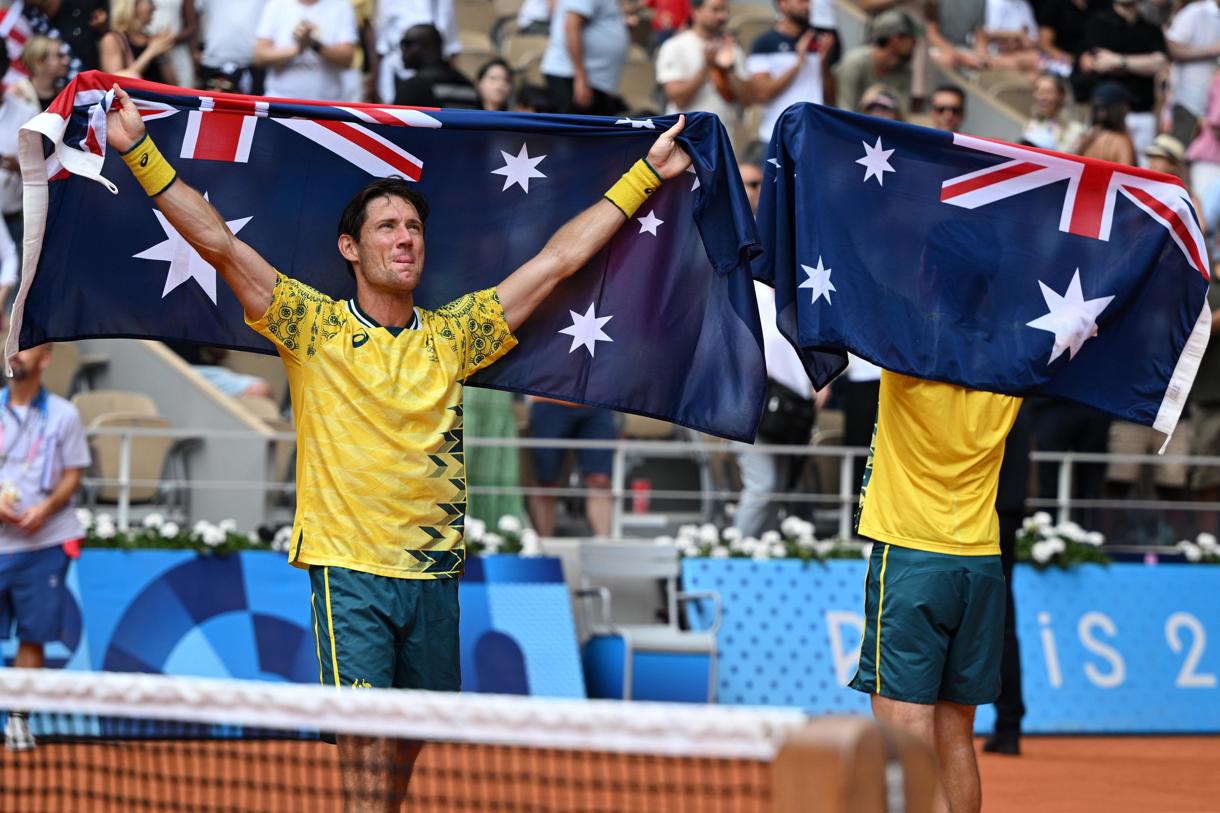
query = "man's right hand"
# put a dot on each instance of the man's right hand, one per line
(124, 124)
(8, 512)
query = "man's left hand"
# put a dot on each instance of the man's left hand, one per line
(34, 518)
(667, 156)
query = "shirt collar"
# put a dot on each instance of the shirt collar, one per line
(368, 321)
(39, 403)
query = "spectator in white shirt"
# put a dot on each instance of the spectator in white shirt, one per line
(228, 29)
(703, 68)
(391, 21)
(1194, 45)
(785, 64)
(305, 45)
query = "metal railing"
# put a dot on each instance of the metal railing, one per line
(841, 500)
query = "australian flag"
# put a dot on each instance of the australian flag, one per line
(984, 264)
(662, 322)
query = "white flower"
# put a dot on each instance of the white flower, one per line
(732, 534)
(493, 542)
(1028, 524)
(169, 530)
(228, 525)
(805, 542)
(201, 527)
(778, 551)
(531, 545)
(822, 549)
(475, 528)
(105, 530)
(791, 526)
(509, 524)
(213, 537)
(720, 552)
(688, 532)
(1192, 552)
(742, 544)
(85, 517)
(771, 537)
(1042, 552)
(761, 554)
(1206, 541)
(1069, 530)
(1055, 545)
(253, 538)
(709, 534)
(105, 518)
(153, 521)
(1042, 520)
(1095, 538)
(283, 536)
(688, 550)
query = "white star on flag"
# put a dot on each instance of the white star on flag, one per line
(876, 161)
(519, 168)
(586, 330)
(1071, 317)
(695, 185)
(637, 124)
(819, 281)
(650, 222)
(184, 261)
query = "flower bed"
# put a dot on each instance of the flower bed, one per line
(155, 532)
(794, 540)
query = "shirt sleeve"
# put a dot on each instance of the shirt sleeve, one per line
(672, 65)
(267, 27)
(299, 319)
(1182, 29)
(73, 448)
(475, 328)
(345, 28)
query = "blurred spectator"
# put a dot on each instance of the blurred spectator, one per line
(881, 102)
(859, 390)
(46, 63)
(785, 64)
(947, 108)
(391, 21)
(228, 32)
(1194, 44)
(1204, 155)
(127, 50)
(305, 45)
(1008, 38)
(534, 18)
(1049, 125)
(669, 17)
(1122, 47)
(921, 71)
(207, 362)
(1107, 136)
(533, 99)
(703, 68)
(13, 113)
(1204, 403)
(495, 84)
(1166, 154)
(584, 58)
(9, 274)
(1061, 33)
(180, 18)
(554, 420)
(490, 414)
(951, 27)
(433, 82)
(79, 23)
(886, 61)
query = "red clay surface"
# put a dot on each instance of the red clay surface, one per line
(1111, 774)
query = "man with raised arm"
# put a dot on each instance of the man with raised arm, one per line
(376, 387)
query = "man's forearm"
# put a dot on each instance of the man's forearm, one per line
(62, 493)
(1144, 64)
(573, 26)
(267, 55)
(340, 54)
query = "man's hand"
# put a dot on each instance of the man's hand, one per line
(124, 124)
(8, 514)
(666, 156)
(1105, 61)
(32, 520)
(582, 93)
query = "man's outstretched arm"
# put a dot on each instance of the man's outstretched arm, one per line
(584, 235)
(248, 275)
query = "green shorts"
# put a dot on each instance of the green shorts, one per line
(380, 632)
(933, 627)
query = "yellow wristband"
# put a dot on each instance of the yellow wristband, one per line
(150, 167)
(631, 190)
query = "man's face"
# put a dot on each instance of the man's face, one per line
(752, 178)
(946, 112)
(711, 18)
(30, 363)
(795, 10)
(1158, 163)
(903, 45)
(389, 253)
(1047, 97)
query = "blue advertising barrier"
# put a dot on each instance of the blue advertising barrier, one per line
(247, 615)
(1122, 648)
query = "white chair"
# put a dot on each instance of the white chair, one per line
(643, 661)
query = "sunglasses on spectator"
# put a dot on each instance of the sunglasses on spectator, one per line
(947, 108)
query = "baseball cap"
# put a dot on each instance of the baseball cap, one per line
(893, 23)
(1167, 147)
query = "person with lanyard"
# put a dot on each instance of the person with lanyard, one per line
(42, 454)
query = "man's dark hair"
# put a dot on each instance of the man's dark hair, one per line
(352, 221)
(956, 91)
(422, 45)
(534, 99)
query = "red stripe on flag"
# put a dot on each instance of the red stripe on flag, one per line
(988, 179)
(1090, 204)
(219, 136)
(240, 104)
(1175, 222)
(378, 115)
(372, 146)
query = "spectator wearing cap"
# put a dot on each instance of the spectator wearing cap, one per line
(1166, 154)
(887, 61)
(703, 68)
(947, 108)
(881, 102)
(921, 69)
(1122, 47)
(1049, 126)
(1107, 137)
(1194, 44)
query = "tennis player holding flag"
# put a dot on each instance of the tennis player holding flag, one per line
(376, 388)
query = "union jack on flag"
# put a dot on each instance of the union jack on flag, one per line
(989, 265)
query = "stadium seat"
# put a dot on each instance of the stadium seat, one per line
(477, 50)
(95, 403)
(150, 456)
(1017, 95)
(260, 407)
(474, 15)
(60, 375)
(266, 366)
(657, 661)
(749, 24)
(638, 85)
(828, 431)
